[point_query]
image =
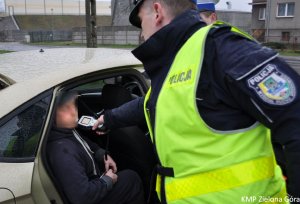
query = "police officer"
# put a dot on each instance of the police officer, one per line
(207, 11)
(216, 97)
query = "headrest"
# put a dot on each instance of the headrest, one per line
(115, 96)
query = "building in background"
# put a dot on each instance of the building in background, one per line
(120, 10)
(47, 20)
(276, 21)
(2, 8)
(240, 19)
(64, 20)
(51, 7)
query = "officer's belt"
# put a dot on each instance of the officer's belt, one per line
(213, 181)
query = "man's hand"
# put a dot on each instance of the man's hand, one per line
(110, 164)
(112, 175)
(100, 121)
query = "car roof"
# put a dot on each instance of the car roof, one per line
(33, 72)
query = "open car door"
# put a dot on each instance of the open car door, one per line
(20, 133)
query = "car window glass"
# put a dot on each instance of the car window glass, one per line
(98, 84)
(91, 86)
(2, 85)
(19, 136)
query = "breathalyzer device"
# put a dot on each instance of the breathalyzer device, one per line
(87, 122)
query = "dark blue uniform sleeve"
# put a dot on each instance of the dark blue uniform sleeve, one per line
(268, 89)
(129, 114)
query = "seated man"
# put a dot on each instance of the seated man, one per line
(74, 160)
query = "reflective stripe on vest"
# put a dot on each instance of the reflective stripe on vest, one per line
(220, 179)
(207, 163)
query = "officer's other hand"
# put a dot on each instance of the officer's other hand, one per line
(110, 164)
(100, 121)
(112, 175)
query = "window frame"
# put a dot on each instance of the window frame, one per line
(130, 70)
(17, 111)
(86, 78)
(104, 74)
(259, 12)
(285, 10)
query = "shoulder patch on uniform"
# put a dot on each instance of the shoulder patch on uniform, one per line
(273, 86)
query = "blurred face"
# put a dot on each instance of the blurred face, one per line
(153, 17)
(67, 115)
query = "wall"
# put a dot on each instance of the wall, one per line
(256, 23)
(12, 36)
(35, 36)
(275, 35)
(7, 23)
(123, 35)
(237, 18)
(56, 22)
(44, 28)
(120, 10)
(258, 26)
(110, 35)
(286, 22)
(60, 7)
(277, 25)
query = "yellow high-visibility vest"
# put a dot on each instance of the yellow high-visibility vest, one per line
(209, 166)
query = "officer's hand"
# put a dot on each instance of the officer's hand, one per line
(113, 176)
(110, 164)
(100, 121)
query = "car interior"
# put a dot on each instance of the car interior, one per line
(130, 147)
(2, 85)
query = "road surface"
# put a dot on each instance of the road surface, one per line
(294, 62)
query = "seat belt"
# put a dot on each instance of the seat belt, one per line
(87, 148)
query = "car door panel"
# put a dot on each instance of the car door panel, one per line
(16, 177)
(20, 133)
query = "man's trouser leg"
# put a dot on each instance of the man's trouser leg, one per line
(128, 190)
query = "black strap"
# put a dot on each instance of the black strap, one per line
(163, 190)
(164, 172)
(152, 186)
(107, 147)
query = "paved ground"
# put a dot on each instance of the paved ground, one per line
(16, 46)
(294, 62)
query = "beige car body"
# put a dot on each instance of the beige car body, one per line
(29, 74)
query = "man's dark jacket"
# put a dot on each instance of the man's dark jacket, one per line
(73, 168)
(226, 101)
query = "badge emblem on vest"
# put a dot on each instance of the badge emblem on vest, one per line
(272, 86)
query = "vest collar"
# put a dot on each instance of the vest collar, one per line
(160, 49)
